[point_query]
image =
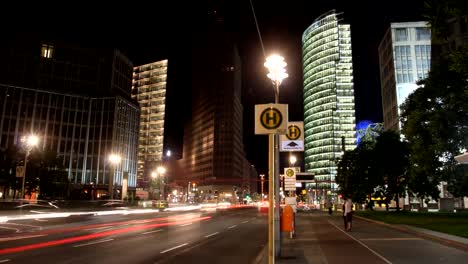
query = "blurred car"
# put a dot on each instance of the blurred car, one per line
(160, 204)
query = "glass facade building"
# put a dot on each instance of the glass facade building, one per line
(329, 116)
(149, 89)
(83, 131)
(404, 58)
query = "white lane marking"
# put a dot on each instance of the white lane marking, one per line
(245, 222)
(4, 260)
(232, 226)
(210, 235)
(172, 248)
(154, 231)
(362, 244)
(97, 228)
(10, 228)
(186, 224)
(41, 220)
(94, 242)
(391, 239)
(3, 239)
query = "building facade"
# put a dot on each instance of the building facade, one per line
(404, 58)
(82, 131)
(213, 151)
(149, 89)
(77, 98)
(329, 113)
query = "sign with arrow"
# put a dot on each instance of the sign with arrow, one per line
(293, 140)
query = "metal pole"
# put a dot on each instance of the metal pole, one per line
(277, 183)
(271, 207)
(24, 172)
(111, 182)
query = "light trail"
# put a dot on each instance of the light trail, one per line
(92, 236)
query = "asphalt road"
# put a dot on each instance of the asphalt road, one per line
(223, 236)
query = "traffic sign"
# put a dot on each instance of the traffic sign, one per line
(289, 179)
(271, 119)
(293, 140)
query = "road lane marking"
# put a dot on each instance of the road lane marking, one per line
(4, 260)
(245, 222)
(94, 242)
(150, 232)
(186, 224)
(391, 239)
(172, 248)
(232, 226)
(210, 235)
(97, 228)
(3, 239)
(362, 244)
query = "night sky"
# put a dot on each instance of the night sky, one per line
(151, 30)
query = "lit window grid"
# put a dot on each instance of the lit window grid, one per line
(318, 109)
(150, 82)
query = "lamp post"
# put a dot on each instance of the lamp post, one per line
(262, 181)
(114, 159)
(30, 142)
(161, 171)
(277, 73)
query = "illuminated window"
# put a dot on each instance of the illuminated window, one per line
(47, 51)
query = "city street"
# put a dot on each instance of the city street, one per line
(223, 236)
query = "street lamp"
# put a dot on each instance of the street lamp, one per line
(277, 73)
(161, 171)
(292, 160)
(114, 159)
(30, 142)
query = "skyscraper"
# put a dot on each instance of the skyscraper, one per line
(213, 148)
(149, 89)
(404, 58)
(329, 119)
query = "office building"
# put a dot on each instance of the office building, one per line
(329, 114)
(213, 147)
(149, 89)
(76, 98)
(404, 58)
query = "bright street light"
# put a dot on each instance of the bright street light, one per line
(275, 65)
(30, 142)
(292, 160)
(161, 170)
(114, 159)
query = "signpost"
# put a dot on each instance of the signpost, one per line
(271, 120)
(290, 179)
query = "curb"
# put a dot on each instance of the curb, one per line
(444, 241)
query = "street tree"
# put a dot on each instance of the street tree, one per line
(390, 165)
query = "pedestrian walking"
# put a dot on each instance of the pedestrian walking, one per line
(348, 213)
(344, 218)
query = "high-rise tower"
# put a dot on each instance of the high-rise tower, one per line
(149, 89)
(404, 58)
(329, 120)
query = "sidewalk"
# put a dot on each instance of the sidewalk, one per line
(305, 248)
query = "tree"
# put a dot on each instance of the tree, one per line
(354, 173)
(391, 165)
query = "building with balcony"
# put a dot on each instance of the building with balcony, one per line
(149, 89)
